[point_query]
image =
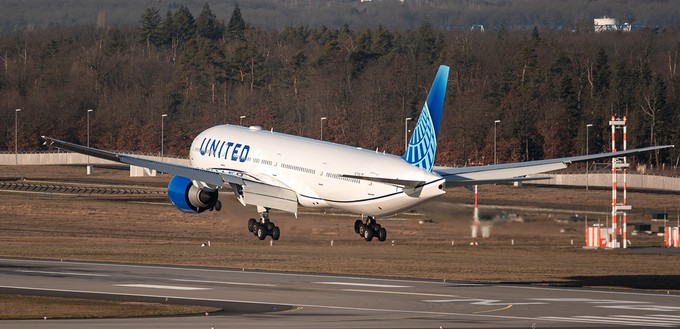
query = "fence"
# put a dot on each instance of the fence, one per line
(67, 158)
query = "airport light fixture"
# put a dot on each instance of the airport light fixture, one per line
(240, 120)
(88, 133)
(587, 152)
(495, 138)
(322, 120)
(16, 136)
(162, 133)
(406, 134)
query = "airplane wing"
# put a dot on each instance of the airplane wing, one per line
(248, 190)
(520, 171)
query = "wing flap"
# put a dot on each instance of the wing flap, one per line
(269, 196)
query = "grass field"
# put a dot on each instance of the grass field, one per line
(41, 307)
(543, 248)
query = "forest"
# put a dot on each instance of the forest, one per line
(544, 85)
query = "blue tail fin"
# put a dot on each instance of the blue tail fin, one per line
(423, 144)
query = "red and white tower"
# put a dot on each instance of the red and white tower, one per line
(619, 164)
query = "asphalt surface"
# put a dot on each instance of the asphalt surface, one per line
(300, 300)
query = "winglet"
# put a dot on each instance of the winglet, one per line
(423, 144)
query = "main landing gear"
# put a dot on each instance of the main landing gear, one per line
(264, 227)
(370, 229)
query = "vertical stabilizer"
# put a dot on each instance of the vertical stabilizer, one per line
(423, 144)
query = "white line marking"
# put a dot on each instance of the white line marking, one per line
(439, 283)
(613, 318)
(363, 284)
(328, 307)
(644, 318)
(62, 273)
(603, 321)
(402, 293)
(671, 317)
(589, 300)
(650, 308)
(228, 283)
(363, 309)
(479, 301)
(158, 286)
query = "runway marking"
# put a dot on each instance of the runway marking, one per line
(616, 320)
(363, 284)
(228, 283)
(402, 293)
(496, 310)
(240, 271)
(363, 309)
(438, 283)
(651, 308)
(63, 273)
(590, 300)
(478, 301)
(158, 286)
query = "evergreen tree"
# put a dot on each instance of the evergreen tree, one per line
(383, 43)
(207, 25)
(149, 32)
(601, 74)
(183, 24)
(237, 26)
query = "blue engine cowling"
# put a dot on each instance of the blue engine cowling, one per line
(189, 198)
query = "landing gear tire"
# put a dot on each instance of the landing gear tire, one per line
(362, 229)
(368, 234)
(382, 234)
(263, 227)
(261, 232)
(370, 229)
(251, 224)
(218, 205)
(357, 226)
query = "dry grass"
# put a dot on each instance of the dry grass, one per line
(37, 307)
(100, 229)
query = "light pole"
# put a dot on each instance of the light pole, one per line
(406, 134)
(89, 168)
(162, 133)
(88, 129)
(16, 136)
(322, 120)
(587, 152)
(495, 159)
(240, 120)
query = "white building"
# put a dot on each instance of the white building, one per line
(610, 24)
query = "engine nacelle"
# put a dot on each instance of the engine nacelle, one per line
(186, 197)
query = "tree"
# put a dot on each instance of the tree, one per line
(149, 32)
(207, 25)
(600, 75)
(653, 106)
(237, 26)
(183, 24)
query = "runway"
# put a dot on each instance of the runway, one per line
(254, 299)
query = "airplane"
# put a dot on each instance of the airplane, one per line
(272, 170)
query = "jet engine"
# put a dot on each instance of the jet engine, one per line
(186, 197)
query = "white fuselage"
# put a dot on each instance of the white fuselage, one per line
(313, 169)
